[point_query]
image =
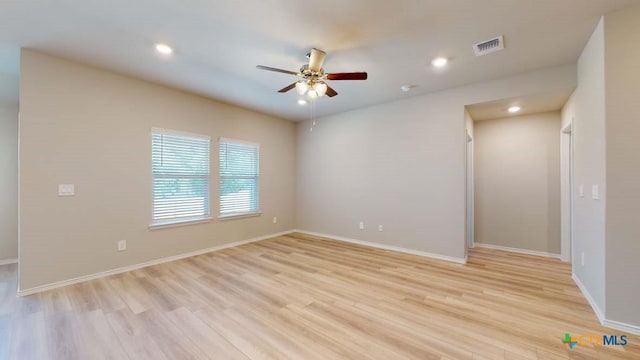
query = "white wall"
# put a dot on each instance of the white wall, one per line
(517, 182)
(8, 169)
(91, 127)
(400, 164)
(468, 122)
(622, 59)
(605, 128)
(586, 107)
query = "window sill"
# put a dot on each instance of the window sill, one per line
(239, 216)
(175, 223)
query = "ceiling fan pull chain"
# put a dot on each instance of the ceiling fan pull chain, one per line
(313, 118)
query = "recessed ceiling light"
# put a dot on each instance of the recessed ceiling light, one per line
(408, 87)
(514, 109)
(439, 62)
(302, 102)
(164, 49)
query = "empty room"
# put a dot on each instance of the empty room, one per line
(288, 179)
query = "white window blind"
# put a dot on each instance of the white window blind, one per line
(180, 166)
(239, 178)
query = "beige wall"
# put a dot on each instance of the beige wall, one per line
(586, 107)
(400, 165)
(517, 182)
(8, 171)
(622, 91)
(91, 127)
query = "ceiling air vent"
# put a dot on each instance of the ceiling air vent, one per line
(489, 46)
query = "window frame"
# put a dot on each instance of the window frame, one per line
(237, 215)
(206, 217)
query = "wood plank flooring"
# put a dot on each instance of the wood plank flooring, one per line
(304, 297)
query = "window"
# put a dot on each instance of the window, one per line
(180, 167)
(239, 175)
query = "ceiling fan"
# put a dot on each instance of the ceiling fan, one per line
(314, 78)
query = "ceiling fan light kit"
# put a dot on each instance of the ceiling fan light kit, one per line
(312, 88)
(302, 87)
(320, 88)
(313, 82)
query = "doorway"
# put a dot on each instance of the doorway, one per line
(566, 191)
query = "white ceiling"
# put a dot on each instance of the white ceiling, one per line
(218, 43)
(530, 104)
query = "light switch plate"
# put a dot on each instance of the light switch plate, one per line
(66, 190)
(595, 192)
(581, 190)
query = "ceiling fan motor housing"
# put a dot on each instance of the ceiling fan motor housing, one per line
(310, 75)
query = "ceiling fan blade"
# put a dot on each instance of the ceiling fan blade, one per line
(347, 76)
(262, 67)
(316, 59)
(287, 88)
(330, 92)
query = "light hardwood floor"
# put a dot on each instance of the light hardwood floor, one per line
(303, 297)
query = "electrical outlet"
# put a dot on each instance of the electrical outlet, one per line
(122, 245)
(361, 225)
(582, 258)
(275, 219)
(379, 227)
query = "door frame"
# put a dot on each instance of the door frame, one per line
(470, 192)
(566, 191)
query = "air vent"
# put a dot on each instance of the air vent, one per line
(489, 46)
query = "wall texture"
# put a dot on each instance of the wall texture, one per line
(622, 91)
(8, 172)
(91, 127)
(586, 107)
(400, 165)
(517, 182)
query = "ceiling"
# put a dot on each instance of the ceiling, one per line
(218, 43)
(530, 104)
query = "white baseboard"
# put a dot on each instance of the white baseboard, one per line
(631, 329)
(516, 250)
(386, 247)
(589, 298)
(616, 325)
(102, 274)
(8, 261)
